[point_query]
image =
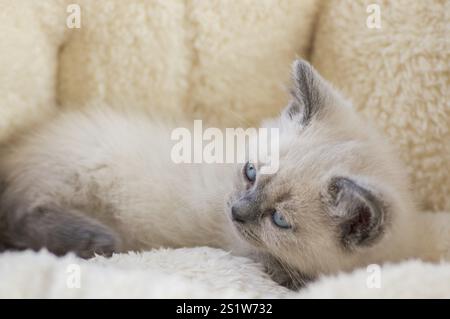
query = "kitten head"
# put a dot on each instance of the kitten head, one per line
(332, 201)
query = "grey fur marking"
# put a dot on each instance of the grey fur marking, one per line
(246, 209)
(283, 274)
(359, 212)
(60, 232)
(307, 95)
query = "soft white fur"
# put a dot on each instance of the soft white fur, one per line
(227, 62)
(117, 167)
(214, 59)
(398, 76)
(200, 273)
(185, 272)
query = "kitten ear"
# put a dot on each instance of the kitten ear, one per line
(360, 214)
(308, 93)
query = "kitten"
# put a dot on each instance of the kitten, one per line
(103, 182)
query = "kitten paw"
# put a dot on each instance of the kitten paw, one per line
(91, 241)
(62, 231)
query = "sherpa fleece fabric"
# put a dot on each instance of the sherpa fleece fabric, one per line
(228, 63)
(202, 273)
(398, 76)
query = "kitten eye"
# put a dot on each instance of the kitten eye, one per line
(250, 172)
(279, 220)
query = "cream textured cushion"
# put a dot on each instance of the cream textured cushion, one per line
(228, 62)
(399, 77)
(222, 61)
(202, 273)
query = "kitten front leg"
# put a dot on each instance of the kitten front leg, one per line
(60, 231)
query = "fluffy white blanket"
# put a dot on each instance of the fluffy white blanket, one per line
(201, 273)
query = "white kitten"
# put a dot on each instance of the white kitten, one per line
(104, 182)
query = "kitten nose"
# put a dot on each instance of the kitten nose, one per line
(243, 211)
(235, 215)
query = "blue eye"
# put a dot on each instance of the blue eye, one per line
(250, 172)
(279, 220)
